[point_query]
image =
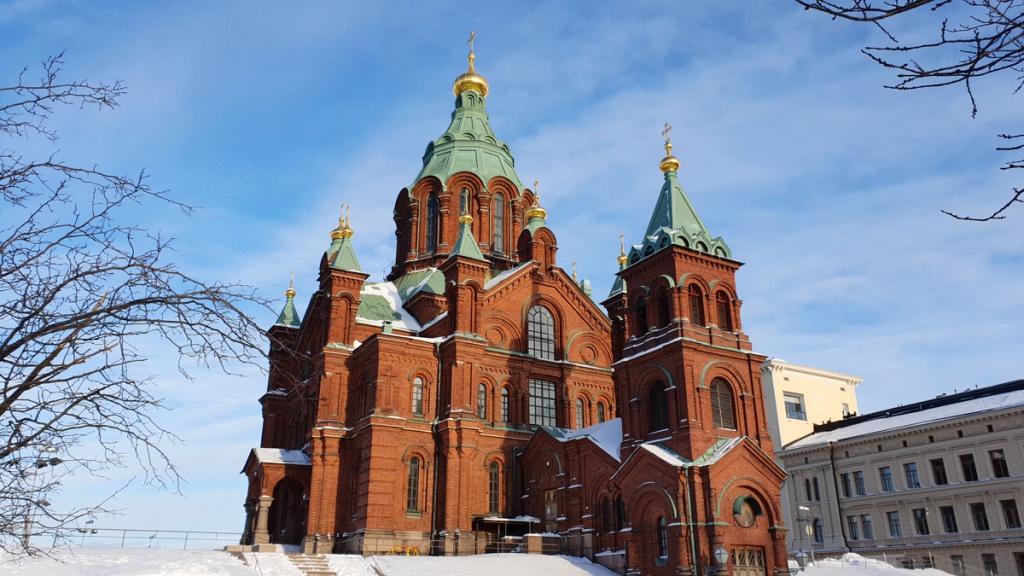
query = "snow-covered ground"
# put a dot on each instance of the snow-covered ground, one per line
(89, 562)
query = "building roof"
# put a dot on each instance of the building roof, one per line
(280, 456)
(940, 408)
(466, 245)
(607, 435)
(382, 302)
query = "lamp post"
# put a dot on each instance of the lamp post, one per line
(804, 518)
(35, 488)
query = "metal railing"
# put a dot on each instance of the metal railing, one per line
(139, 538)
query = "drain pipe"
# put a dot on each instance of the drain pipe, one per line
(437, 447)
(689, 518)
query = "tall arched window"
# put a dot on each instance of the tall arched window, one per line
(606, 515)
(581, 421)
(807, 489)
(504, 405)
(432, 223)
(481, 402)
(662, 537)
(819, 531)
(724, 311)
(696, 305)
(417, 396)
(494, 491)
(663, 308)
(620, 513)
(498, 211)
(721, 405)
(464, 201)
(817, 493)
(641, 316)
(600, 412)
(412, 498)
(658, 405)
(541, 333)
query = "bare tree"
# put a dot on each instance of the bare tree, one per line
(81, 294)
(985, 38)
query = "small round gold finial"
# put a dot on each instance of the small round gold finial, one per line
(466, 219)
(536, 210)
(669, 162)
(290, 292)
(622, 249)
(470, 80)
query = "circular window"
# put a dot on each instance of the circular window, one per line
(745, 511)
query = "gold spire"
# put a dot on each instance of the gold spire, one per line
(622, 249)
(470, 80)
(290, 292)
(465, 218)
(669, 162)
(574, 271)
(346, 231)
(536, 209)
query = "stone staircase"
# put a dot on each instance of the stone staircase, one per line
(311, 564)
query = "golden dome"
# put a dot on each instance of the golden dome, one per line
(622, 250)
(466, 219)
(470, 80)
(290, 292)
(669, 162)
(339, 232)
(536, 210)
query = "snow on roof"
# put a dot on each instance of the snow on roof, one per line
(607, 435)
(883, 423)
(495, 280)
(280, 456)
(389, 292)
(667, 456)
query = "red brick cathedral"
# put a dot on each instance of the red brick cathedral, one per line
(479, 394)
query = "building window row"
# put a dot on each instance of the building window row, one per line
(696, 309)
(968, 468)
(498, 220)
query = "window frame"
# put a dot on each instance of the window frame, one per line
(417, 396)
(657, 406)
(968, 467)
(892, 518)
(885, 479)
(1011, 515)
(911, 474)
(949, 523)
(498, 218)
(1000, 467)
(481, 401)
(980, 517)
(795, 407)
(921, 521)
(431, 229)
(543, 402)
(939, 475)
(494, 489)
(541, 333)
(722, 398)
(723, 304)
(695, 297)
(412, 496)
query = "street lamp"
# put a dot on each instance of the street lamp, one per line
(804, 518)
(801, 560)
(35, 488)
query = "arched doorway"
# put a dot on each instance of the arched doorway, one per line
(287, 518)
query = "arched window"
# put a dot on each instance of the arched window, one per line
(807, 489)
(641, 316)
(696, 305)
(412, 498)
(817, 493)
(504, 405)
(463, 201)
(819, 531)
(662, 537)
(417, 396)
(658, 405)
(600, 412)
(721, 405)
(432, 223)
(494, 492)
(606, 515)
(481, 402)
(663, 309)
(581, 421)
(541, 333)
(498, 210)
(724, 311)
(620, 513)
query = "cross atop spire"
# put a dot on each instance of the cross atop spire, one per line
(667, 133)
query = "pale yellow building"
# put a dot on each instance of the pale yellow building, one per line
(798, 397)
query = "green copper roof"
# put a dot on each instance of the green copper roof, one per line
(345, 257)
(429, 280)
(466, 246)
(675, 221)
(376, 307)
(469, 145)
(289, 315)
(619, 286)
(535, 223)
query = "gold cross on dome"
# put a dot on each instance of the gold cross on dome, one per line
(472, 36)
(667, 133)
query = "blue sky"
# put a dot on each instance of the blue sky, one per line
(270, 115)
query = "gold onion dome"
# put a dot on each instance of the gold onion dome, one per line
(470, 80)
(466, 219)
(290, 292)
(622, 259)
(669, 162)
(536, 210)
(339, 232)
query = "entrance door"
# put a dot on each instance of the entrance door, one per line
(748, 561)
(550, 512)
